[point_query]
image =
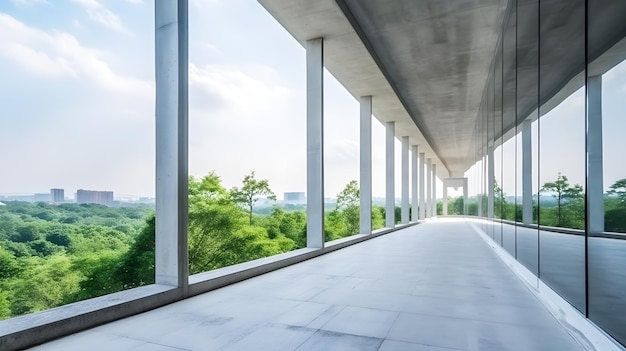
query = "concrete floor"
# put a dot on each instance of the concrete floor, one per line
(434, 286)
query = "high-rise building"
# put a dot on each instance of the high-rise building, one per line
(94, 197)
(57, 195)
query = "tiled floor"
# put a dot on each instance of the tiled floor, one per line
(434, 286)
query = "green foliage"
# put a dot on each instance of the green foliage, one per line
(618, 189)
(348, 201)
(378, 217)
(43, 284)
(55, 254)
(5, 305)
(218, 235)
(60, 239)
(8, 265)
(251, 191)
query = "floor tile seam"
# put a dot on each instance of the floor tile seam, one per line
(146, 342)
(389, 329)
(422, 344)
(342, 307)
(317, 294)
(528, 305)
(349, 334)
(495, 323)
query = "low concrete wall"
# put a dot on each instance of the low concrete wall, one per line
(37, 328)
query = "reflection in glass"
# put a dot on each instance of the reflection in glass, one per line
(606, 171)
(562, 127)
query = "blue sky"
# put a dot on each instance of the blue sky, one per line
(78, 99)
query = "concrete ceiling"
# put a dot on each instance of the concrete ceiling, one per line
(425, 62)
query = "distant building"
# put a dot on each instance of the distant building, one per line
(94, 197)
(294, 197)
(57, 195)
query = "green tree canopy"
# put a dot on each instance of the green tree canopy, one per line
(251, 191)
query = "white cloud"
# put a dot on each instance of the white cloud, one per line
(203, 4)
(29, 2)
(59, 55)
(224, 84)
(98, 13)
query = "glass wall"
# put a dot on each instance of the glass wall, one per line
(562, 123)
(606, 171)
(552, 114)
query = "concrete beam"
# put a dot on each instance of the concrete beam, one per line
(445, 198)
(422, 183)
(171, 59)
(365, 184)
(491, 178)
(405, 180)
(414, 199)
(429, 188)
(527, 173)
(595, 172)
(390, 197)
(434, 190)
(315, 142)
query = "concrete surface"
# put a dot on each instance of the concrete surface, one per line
(434, 286)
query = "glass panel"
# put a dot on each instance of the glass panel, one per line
(77, 97)
(562, 142)
(606, 172)
(509, 126)
(497, 129)
(527, 110)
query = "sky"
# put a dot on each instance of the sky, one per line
(77, 103)
(77, 100)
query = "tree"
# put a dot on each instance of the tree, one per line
(251, 191)
(348, 201)
(564, 193)
(619, 189)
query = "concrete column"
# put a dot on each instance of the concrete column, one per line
(484, 185)
(465, 190)
(405, 180)
(390, 197)
(429, 188)
(171, 54)
(422, 182)
(490, 181)
(480, 187)
(445, 197)
(414, 200)
(315, 142)
(366, 166)
(527, 173)
(434, 190)
(595, 175)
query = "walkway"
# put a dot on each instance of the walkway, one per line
(434, 286)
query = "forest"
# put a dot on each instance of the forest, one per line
(55, 254)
